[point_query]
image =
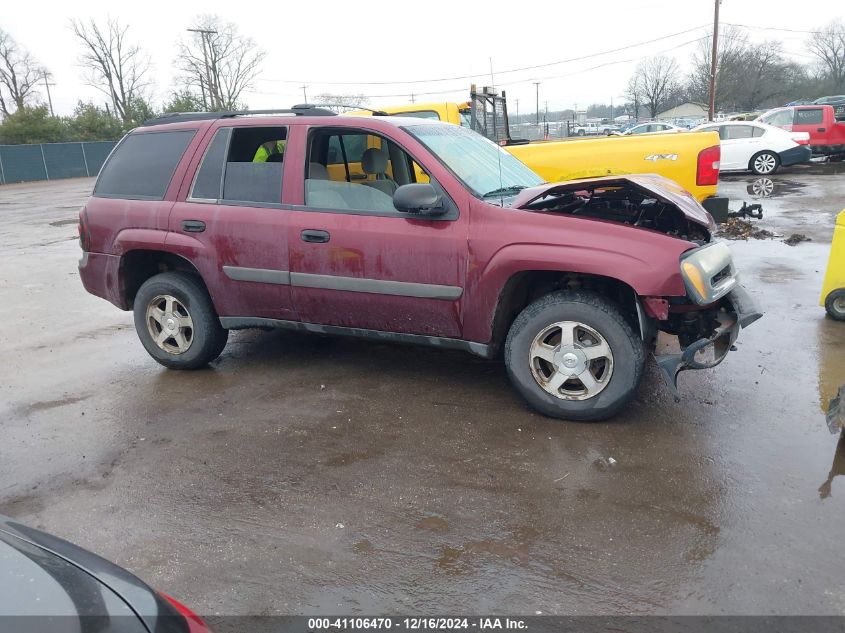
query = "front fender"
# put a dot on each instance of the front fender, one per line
(648, 276)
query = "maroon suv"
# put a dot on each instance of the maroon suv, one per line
(405, 230)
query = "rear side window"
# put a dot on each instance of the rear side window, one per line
(242, 165)
(759, 131)
(738, 131)
(422, 114)
(779, 119)
(142, 165)
(809, 116)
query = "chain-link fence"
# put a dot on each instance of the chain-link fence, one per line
(549, 130)
(52, 161)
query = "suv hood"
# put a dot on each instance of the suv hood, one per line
(658, 186)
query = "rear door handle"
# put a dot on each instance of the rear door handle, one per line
(193, 226)
(314, 236)
(820, 129)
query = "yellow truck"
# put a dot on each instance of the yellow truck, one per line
(689, 158)
(833, 289)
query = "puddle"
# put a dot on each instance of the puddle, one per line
(764, 187)
(462, 560)
(836, 468)
(831, 361)
(779, 274)
(432, 524)
(66, 222)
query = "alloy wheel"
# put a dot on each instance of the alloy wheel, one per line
(765, 163)
(571, 360)
(170, 324)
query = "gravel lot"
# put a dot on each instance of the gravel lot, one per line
(302, 474)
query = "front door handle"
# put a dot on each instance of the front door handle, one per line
(193, 226)
(820, 129)
(314, 236)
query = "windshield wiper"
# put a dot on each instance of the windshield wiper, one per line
(502, 191)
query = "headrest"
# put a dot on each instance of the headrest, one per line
(316, 171)
(374, 161)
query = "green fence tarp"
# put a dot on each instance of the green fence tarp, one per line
(52, 161)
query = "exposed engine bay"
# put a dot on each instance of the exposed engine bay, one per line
(624, 200)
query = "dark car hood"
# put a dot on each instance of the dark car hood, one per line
(78, 579)
(660, 187)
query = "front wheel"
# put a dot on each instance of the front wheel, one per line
(764, 163)
(176, 321)
(574, 356)
(835, 304)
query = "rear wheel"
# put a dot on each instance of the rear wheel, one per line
(764, 163)
(574, 356)
(176, 321)
(835, 304)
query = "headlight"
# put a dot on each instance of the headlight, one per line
(708, 272)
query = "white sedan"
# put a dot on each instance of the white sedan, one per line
(757, 147)
(650, 127)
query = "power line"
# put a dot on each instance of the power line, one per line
(501, 72)
(770, 28)
(462, 89)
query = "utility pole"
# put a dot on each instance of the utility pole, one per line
(412, 97)
(712, 110)
(492, 81)
(209, 80)
(47, 85)
(304, 96)
(537, 90)
(517, 110)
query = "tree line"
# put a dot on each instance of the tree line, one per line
(750, 75)
(215, 65)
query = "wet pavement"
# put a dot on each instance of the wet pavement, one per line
(302, 474)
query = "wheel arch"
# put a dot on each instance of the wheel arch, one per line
(140, 264)
(524, 287)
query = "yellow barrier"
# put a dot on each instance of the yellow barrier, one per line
(833, 288)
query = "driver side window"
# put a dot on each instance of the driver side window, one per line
(357, 171)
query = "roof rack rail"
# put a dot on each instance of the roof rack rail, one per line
(303, 109)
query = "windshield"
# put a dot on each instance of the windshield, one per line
(484, 167)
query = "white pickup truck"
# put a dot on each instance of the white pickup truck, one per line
(586, 129)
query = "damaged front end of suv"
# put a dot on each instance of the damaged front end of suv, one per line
(707, 314)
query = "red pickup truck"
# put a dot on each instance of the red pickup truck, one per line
(406, 230)
(827, 134)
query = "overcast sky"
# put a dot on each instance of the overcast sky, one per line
(326, 41)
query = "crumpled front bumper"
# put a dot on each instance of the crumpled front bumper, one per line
(743, 313)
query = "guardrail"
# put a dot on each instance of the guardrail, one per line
(52, 161)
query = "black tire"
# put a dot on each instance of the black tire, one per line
(835, 304)
(598, 313)
(581, 133)
(765, 153)
(207, 336)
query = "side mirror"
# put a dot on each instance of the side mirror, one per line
(419, 198)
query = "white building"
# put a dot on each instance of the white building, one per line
(684, 111)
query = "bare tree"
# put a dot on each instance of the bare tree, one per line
(19, 74)
(828, 46)
(733, 48)
(634, 94)
(341, 102)
(218, 62)
(116, 67)
(656, 81)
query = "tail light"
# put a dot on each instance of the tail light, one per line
(84, 236)
(195, 623)
(707, 172)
